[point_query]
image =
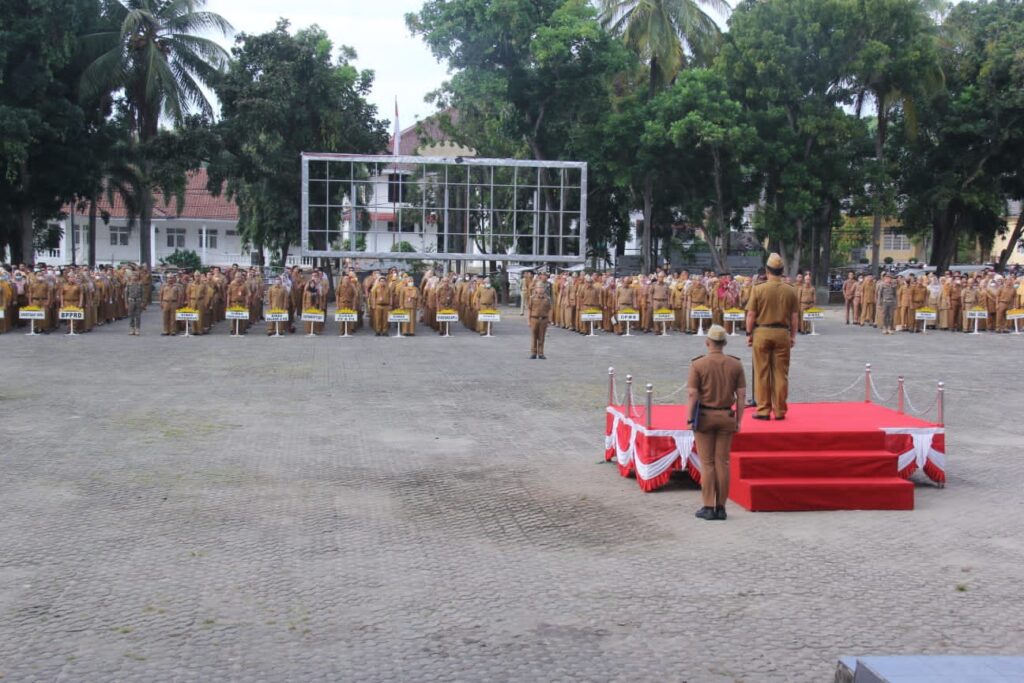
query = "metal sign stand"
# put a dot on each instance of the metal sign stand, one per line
(235, 333)
(976, 326)
(1016, 325)
(345, 329)
(446, 332)
(664, 328)
(188, 323)
(700, 330)
(488, 329)
(398, 331)
(277, 329)
(32, 329)
(813, 331)
(627, 329)
(71, 332)
(591, 329)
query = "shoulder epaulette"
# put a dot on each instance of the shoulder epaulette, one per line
(696, 358)
(732, 356)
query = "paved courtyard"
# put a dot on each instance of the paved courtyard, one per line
(367, 509)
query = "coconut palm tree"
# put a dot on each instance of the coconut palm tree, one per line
(153, 55)
(668, 35)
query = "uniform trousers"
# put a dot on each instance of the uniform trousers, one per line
(887, 315)
(771, 351)
(168, 317)
(134, 314)
(714, 434)
(538, 331)
(380, 319)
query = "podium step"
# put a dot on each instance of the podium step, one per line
(823, 493)
(820, 464)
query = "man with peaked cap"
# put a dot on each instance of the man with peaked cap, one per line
(277, 298)
(170, 300)
(716, 390)
(773, 314)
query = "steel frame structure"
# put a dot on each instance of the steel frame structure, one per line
(336, 187)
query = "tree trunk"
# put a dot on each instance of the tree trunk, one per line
(825, 245)
(284, 255)
(1011, 245)
(719, 252)
(876, 190)
(944, 229)
(145, 223)
(645, 240)
(91, 233)
(28, 250)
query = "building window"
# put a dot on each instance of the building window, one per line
(394, 188)
(231, 233)
(211, 239)
(119, 235)
(895, 241)
(175, 238)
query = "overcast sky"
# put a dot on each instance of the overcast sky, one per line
(403, 65)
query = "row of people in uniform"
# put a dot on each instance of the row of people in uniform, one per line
(101, 293)
(681, 293)
(892, 305)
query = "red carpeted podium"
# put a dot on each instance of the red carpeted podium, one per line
(823, 456)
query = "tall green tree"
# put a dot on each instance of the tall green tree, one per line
(529, 78)
(789, 63)
(896, 64)
(155, 55)
(41, 124)
(285, 94)
(666, 35)
(959, 160)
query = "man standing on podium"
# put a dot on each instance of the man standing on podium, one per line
(773, 316)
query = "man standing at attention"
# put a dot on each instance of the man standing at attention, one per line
(539, 306)
(716, 389)
(773, 314)
(849, 286)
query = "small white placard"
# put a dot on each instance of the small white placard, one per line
(700, 314)
(814, 316)
(447, 317)
(489, 317)
(346, 317)
(977, 315)
(31, 315)
(628, 317)
(72, 315)
(925, 315)
(734, 317)
(310, 317)
(236, 315)
(276, 317)
(186, 316)
(591, 317)
(398, 317)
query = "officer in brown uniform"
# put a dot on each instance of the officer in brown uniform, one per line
(170, 300)
(313, 298)
(659, 297)
(380, 305)
(197, 298)
(539, 307)
(484, 297)
(409, 301)
(277, 297)
(1005, 298)
(716, 389)
(772, 317)
(238, 295)
(346, 296)
(807, 295)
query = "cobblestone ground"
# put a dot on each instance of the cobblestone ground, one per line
(435, 509)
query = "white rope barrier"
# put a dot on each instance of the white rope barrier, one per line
(913, 408)
(856, 383)
(662, 399)
(878, 396)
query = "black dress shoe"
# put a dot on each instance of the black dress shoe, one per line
(780, 417)
(720, 513)
(762, 417)
(705, 513)
(542, 357)
(533, 357)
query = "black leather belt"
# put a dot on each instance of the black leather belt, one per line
(716, 407)
(775, 326)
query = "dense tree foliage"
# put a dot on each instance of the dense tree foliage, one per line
(828, 117)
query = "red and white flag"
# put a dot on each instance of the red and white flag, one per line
(397, 144)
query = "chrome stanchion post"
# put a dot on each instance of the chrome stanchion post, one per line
(867, 382)
(940, 403)
(629, 395)
(611, 386)
(900, 393)
(650, 399)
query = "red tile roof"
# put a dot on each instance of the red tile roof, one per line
(199, 203)
(429, 129)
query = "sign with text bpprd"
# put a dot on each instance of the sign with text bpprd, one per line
(628, 315)
(72, 313)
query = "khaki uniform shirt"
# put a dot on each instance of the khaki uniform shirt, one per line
(716, 377)
(773, 303)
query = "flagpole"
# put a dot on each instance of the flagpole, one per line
(396, 148)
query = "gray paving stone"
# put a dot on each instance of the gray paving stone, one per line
(434, 509)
